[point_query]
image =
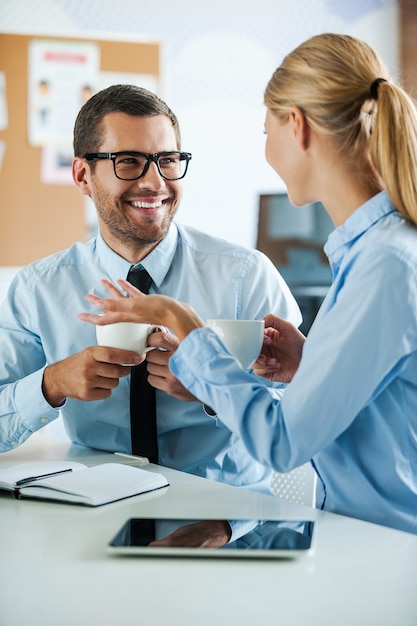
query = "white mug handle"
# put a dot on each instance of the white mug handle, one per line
(152, 329)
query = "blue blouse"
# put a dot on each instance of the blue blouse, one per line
(352, 405)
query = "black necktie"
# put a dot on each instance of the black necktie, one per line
(142, 394)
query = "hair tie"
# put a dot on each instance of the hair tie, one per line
(374, 87)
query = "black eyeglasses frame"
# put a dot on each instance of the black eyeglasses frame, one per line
(112, 156)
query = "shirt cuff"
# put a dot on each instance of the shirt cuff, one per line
(241, 527)
(34, 410)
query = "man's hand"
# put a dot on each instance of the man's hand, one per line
(281, 351)
(207, 534)
(160, 376)
(88, 375)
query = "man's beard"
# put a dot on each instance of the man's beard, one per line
(127, 231)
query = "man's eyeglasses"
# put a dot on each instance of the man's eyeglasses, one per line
(134, 165)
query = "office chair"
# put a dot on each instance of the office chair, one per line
(297, 486)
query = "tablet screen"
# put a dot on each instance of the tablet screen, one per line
(175, 537)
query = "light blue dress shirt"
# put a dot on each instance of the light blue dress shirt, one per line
(352, 405)
(39, 325)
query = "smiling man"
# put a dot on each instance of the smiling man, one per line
(128, 159)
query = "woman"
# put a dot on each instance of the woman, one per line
(340, 131)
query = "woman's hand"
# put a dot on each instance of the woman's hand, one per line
(141, 308)
(281, 352)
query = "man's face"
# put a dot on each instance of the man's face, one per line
(134, 216)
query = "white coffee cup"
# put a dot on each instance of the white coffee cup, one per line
(126, 336)
(243, 338)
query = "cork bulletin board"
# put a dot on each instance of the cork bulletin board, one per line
(37, 219)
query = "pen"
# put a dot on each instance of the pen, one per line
(140, 460)
(24, 481)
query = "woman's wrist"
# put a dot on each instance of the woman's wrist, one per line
(183, 319)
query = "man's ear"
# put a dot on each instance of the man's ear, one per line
(301, 128)
(81, 175)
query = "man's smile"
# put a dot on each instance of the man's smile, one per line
(142, 204)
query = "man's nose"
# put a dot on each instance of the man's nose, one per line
(152, 177)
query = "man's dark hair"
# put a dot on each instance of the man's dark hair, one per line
(129, 99)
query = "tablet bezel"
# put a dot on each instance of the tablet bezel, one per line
(220, 553)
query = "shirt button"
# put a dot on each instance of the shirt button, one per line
(44, 420)
(14, 444)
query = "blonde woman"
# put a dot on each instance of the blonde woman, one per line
(341, 131)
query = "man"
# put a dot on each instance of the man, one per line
(128, 160)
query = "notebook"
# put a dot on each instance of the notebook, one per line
(74, 482)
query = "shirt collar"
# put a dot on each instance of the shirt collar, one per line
(156, 263)
(359, 222)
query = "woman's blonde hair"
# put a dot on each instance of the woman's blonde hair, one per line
(333, 79)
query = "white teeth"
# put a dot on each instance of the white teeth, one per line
(147, 205)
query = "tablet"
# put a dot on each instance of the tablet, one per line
(261, 539)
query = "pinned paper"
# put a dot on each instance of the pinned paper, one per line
(3, 102)
(62, 75)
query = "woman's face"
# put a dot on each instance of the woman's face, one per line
(276, 143)
(284, 155)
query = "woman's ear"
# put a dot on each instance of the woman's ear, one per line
(81, 175)
(301, 128)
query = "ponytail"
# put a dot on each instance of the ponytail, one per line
(393, 146)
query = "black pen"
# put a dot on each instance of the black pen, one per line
(24, 481)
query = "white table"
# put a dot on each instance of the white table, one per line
(54, 570)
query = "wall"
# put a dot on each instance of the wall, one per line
(408, 45)
(216, 60)
(61, 207)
